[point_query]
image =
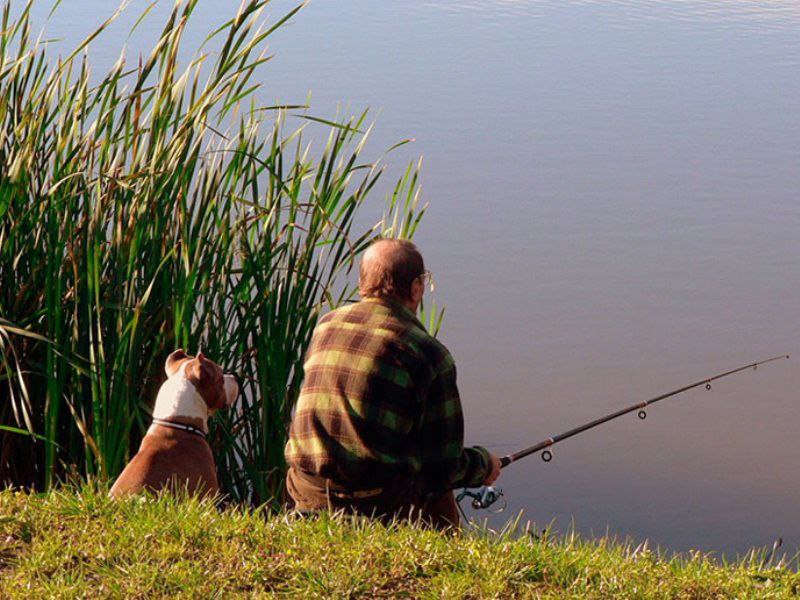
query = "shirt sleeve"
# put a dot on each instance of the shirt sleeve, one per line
(446, 463)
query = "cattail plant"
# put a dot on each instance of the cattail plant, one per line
(156, 207)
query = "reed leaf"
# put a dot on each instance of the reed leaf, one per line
(157, 206)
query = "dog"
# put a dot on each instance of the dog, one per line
(174, 453)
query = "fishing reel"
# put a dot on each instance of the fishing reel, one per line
(483, 498)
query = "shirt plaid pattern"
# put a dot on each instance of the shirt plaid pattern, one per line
(379, 404)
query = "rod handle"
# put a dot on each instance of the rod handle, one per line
(505, 461)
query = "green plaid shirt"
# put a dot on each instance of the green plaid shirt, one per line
(379, 404)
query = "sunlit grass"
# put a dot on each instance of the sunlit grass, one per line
(79, 544)
(157, 206)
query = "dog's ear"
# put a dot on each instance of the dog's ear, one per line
(206, 376)
(231, 389)
(173, 362)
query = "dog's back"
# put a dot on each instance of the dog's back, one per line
(169, 459)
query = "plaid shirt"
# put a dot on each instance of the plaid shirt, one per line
(379, 404)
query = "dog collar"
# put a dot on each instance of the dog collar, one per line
(181, 426)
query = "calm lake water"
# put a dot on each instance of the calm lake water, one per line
(614, 214)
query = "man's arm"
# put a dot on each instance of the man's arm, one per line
(446, 463)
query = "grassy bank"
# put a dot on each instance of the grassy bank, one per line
(69, 544)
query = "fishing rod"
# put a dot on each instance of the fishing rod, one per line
(488, 495)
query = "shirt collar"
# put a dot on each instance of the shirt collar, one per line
(396, 307)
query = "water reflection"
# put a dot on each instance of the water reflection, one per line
(758, 14)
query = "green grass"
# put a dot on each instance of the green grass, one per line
(79, 544)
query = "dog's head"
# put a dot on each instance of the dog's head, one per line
(218, 389)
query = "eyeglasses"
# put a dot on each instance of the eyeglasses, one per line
(427, 279)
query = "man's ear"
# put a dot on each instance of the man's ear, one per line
(417, 291)
(173, 362)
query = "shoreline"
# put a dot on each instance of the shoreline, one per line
(72, 543)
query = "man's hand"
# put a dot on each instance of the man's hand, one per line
(495, 472)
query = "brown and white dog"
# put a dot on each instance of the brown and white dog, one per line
(174, 452)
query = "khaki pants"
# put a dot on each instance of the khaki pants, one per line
(310, 494)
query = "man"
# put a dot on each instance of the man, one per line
(378, 428)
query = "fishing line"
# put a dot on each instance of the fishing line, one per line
(486, 496)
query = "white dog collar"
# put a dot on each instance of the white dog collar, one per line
(181, 426)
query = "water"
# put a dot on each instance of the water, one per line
(613, 214)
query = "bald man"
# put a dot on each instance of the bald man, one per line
(378, 428)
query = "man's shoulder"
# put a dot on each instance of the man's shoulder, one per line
(355, 312)
(336, 313)
(437, 353)
(394, 323)
(431, 349)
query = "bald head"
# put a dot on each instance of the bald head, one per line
(389, 268)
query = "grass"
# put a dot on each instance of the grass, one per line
(70, 544)
(154, 206)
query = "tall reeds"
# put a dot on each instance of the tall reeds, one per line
(156, 207)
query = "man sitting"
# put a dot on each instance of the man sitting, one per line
(378, 428)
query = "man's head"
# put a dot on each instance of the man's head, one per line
(393, 269)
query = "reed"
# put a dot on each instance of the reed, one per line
(157, 206)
